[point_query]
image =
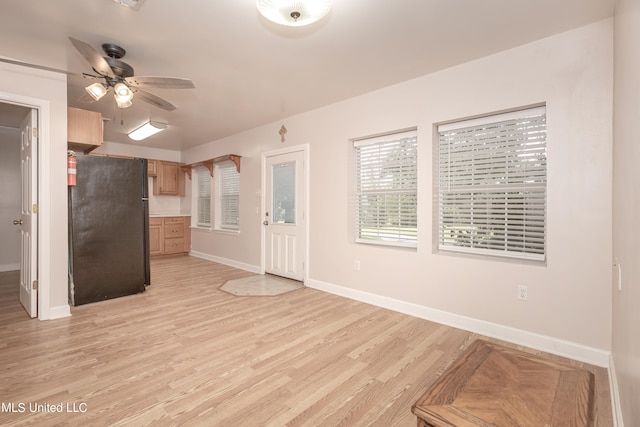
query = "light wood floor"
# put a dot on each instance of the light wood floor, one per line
(185, 353)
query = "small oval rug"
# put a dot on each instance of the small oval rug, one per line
(261, 285)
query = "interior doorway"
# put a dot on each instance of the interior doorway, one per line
(18, 136)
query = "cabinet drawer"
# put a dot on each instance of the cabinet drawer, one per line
(173, 246)
(155, 221)
(173, 230)
(174, 220)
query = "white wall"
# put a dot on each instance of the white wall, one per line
(48, 91)
(626, 210)
(9, 198)
(569, 297)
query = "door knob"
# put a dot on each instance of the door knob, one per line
(265, 222)
(17, 222)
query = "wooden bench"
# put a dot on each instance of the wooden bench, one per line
(491, 385)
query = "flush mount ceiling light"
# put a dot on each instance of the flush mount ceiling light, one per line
(146, 130)
(294, 13)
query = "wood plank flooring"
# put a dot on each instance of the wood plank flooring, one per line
(185, 353)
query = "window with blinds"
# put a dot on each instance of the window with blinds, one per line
(203, 197)
(492, 176)
(228, 196)
(386, 189)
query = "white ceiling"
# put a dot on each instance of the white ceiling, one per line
(249, 72)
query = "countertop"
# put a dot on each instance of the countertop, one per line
(161, 215)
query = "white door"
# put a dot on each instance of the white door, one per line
(28, 222)
(285, 227)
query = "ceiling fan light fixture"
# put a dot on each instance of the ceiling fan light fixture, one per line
(146, 130)
(96, 90)
(123, 92)
(123, 104)
(294, 13)
(123, 95)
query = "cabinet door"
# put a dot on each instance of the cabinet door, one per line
(168, 178)
(151, 168)
(84, 129)
(156, 239)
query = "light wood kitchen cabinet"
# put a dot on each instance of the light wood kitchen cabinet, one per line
(169, 180)
(152, 168)
(155, 236)
(84, 130)
(169, 235)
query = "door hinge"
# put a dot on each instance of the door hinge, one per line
(35, 132)
(34, 285)
(34, 208)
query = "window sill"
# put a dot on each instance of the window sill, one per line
(227, 232)
(488, 257)
(388, 244)
(200, 228)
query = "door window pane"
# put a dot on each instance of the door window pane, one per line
(284, 194)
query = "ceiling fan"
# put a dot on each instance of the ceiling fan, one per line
(119, 75)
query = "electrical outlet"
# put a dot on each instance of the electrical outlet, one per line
(522, 293)
(356, 265)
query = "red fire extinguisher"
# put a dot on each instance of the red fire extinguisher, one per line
(71, 169)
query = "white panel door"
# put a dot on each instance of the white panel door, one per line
(28, 221)
(285, 233)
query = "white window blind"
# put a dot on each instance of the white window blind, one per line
(386, 189)
(229, 191)
(203, 197)
(493, 185)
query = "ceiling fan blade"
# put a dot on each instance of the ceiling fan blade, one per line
(39, 67)
(92, 56)
(153, 99)
(160, 82)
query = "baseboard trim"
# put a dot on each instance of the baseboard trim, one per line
(544, 343)
(615, 395)
(226, 261)
(9, 267)
(59, 312)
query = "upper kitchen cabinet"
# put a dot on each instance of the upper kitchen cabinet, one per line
(169, 180)
(152, 167)
(84, 130)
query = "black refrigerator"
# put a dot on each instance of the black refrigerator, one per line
(108, 229)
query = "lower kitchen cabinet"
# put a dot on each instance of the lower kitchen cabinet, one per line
(155, 236)
(169, 235)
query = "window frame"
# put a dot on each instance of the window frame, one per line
(403, 197)
(199, 173)
(221, 224)
(504, 203)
